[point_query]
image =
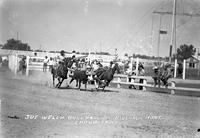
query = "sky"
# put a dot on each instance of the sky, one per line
(98, 25)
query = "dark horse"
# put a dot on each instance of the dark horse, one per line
(104, 76)
(61, 71)
(162, 74)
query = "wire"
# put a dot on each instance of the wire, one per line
(138, 21)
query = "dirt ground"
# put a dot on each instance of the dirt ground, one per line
(32, 108)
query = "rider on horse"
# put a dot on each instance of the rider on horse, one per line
(61, 59)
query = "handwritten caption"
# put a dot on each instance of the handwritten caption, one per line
(91, 119)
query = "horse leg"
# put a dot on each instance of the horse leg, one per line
(61, 82)
(159, 83)
(76, 82)
(53, 81)
(85, 85)
(79, 84)
(96, 84)
(106, 84)
(104, 87)
(71, 80)
(67, 84)
(67, 81)
(58, 83)
(155, 81)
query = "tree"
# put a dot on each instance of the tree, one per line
(13, 44)
(185, 51)
(126, 55)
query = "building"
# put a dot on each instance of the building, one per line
(192, 62)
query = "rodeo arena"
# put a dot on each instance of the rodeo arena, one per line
(72, 95)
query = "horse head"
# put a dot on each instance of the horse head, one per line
(116, 68)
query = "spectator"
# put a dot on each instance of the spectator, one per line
(22, 65)
(45, 62)
(51, 64)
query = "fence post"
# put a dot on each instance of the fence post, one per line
(145, 83)
(137, 66)
(173, 85)
(131, 64)
(127, 78)
(27, 65)
(175, 68)
(119, 80)
(15, 64)
(184, 66)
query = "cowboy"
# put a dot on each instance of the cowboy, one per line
(99, 64)
(74, 61)
(61, 59)
(111, 64)
(156, 76)
(95, 66)
(62, 56)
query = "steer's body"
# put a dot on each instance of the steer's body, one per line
(80, 76)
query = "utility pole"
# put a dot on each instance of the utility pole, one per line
(158, 49)
(152, 32)
(174, 14)
(173, 30)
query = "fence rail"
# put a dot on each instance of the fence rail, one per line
(172, 87)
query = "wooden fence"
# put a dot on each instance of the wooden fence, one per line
(145, 84)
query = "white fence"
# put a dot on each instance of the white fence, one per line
(145, 84)
(14, 64)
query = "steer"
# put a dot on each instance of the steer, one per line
(80, 76)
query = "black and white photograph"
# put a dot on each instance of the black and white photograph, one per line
(100, 68)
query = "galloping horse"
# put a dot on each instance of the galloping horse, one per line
(105, 76)
(61, 71)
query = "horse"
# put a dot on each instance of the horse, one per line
(162, 74)
(61, 72)
(105, 76)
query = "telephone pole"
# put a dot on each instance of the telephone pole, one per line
(173, 29)
(158, 49)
